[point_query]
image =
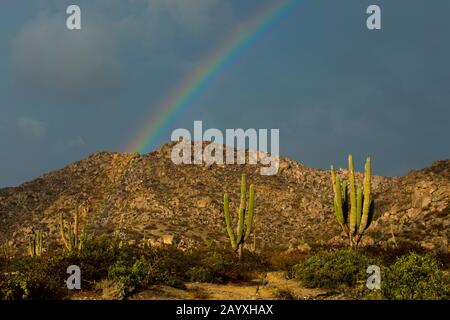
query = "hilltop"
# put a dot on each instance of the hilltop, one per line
(147, 198)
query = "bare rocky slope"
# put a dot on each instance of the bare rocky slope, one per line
(147, 198)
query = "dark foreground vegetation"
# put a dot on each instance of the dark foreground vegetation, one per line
(120, 271)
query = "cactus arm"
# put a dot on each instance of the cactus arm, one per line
(344, 191)
(31, 246)
(371, 213)
(70, 237)
(62, 231)
(352, 220)
(359, 201)
(241, 226)
(242, 207)
(333, 178)
(243, 191)
(368, 203)
(250, 212)
(75, 231)
(41, 242)
(344, 187)
(338, 201)
(38, 243)
(226, 211)
(83, 239)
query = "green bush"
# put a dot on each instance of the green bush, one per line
(15, 288)
(44, 277)
(131, 274)
(415, 277)
(128, 267)
(137, 273)
(229, 268)
(210, 268)
(96, 258)
(202, 274)
(204, 265)
(166, 278)
(333, 269)
(34, 279)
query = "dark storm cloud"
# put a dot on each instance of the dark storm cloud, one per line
(52, 63)
(332, 86)
(338, 88)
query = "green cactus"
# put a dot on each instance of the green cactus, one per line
(70, 233)
(354, 217)
(35, 242)
(352, 194)
(245, 217)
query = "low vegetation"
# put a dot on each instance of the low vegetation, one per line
(333, 269)
(410, 277)
(415, 277)
(117, 272)
(129, 268)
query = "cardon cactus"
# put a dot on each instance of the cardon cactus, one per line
(69, 232)
(353, 205)
(35, 242)
(245, 216)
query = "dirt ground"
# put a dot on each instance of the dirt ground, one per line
(272, 285)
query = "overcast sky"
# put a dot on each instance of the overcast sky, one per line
(331, 86)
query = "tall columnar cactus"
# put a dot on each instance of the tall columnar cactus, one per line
(355, 214)
(35, 242)
(69, 232)
(245, 216)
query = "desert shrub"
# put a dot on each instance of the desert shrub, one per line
(415, 277)
(131, 274)
(201, 274)
(206, 264)
(15, 288)
(211, 267)
(166, 278)
(44, 277)
(226, 266)
(284, 260)
(126, 268)
(333, 269)
(34, 279)
(96, 258)
(31, 287)
(136, 273)
(172, 261)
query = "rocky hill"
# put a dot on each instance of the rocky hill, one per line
(147, 198)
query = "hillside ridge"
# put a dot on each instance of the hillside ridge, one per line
(148, 199)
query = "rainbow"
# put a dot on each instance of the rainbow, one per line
(212, 68)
